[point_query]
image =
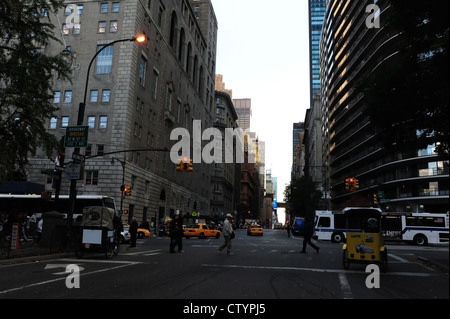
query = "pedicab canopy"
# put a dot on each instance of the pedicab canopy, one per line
(96, 216)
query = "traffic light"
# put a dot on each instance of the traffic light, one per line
(126, 191)
(185, 165)
(375, 199)
(356, 184)
(347, 184)
(180, 166)
(189, 167)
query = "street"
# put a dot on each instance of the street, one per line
(268, 267)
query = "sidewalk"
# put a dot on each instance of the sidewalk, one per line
(30, 254)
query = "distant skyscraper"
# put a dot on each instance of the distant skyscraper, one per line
(244, 111)
(316, 17)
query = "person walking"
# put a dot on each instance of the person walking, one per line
(228, 235)
(176, 232)
(307, 234)
(133, 232)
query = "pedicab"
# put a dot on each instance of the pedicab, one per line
(97, 232)
(365, 244)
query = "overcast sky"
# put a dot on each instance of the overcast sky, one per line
(263, 55)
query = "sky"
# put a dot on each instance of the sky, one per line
(263, 54)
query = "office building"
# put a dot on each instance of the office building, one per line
(411, 180)
(316, 17)
(244, 111)
(137, 95)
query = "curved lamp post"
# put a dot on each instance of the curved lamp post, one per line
(81, 109)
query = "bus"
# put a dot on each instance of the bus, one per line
(29, 205)
(418, 228)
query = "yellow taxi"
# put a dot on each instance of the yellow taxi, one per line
(201, 231)
(141, 232)
(255, 230)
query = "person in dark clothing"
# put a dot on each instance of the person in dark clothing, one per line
(176, 232)
(118, 229)
(307, 235)
(133, 232)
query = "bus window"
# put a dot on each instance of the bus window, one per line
(324, 222)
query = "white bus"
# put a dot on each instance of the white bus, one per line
(420, 229)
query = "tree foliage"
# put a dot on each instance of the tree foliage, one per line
(26, 79)
(304, 197)
(408, 94)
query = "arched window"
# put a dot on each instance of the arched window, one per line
(181, 46)
(188, 59)
(201, 80)
(194, 73)
(173, 30)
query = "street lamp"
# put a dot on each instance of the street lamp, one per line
(81, 109)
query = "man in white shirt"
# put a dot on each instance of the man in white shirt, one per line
(227, 233)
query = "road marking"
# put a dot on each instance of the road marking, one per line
(125, 264)
(205, 246)
(400, 259)
(142, 252)
(345, 286)
(56, 266)
(332, 271)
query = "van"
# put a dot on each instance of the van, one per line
(299, 225)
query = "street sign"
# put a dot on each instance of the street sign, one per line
(73, 171)
(76, 136)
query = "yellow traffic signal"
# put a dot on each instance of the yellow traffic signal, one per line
(190, 167)
(185, 165)
(347, 184)
(180, 166)
(127, 191)
(356, 184)
(375, 198)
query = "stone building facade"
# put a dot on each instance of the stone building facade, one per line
(137, 95)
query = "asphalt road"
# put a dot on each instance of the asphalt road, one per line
(262, 268)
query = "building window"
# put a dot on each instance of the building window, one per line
(104, 8)
(102, 27)
(104, 60)
(100, 150)
(91, 177)
(142, 70)
(113, 26)
(76, 28)
(88, 150)
(91, 121)
(155, 83)
(53, 122)
(65, 29)
(68, 97)
(106, 96)
(57, 97)
(94, 96)
(115, 7)
(103, 121)
(65, 121)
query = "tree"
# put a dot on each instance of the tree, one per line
(304, 197)
(26, 80)
(408, 94)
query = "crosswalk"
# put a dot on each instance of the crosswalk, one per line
(152, 252)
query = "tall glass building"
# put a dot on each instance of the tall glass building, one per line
(317, 10)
